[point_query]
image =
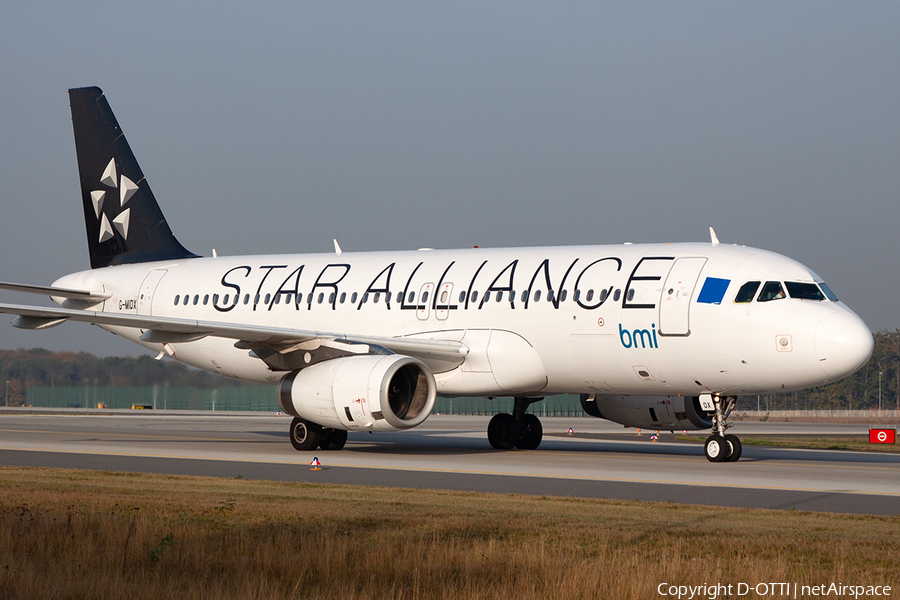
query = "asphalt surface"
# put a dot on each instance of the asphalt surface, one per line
(597, 460)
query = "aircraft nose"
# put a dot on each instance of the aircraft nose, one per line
(843, 344)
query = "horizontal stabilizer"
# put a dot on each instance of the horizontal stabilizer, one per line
(44, 290)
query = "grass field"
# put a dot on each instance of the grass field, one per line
(83, 534)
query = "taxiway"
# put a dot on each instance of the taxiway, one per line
(599, 459)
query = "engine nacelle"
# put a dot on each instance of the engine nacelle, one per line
(648, 412)
(360, 393)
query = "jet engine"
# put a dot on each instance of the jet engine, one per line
(648, 412)
(360, 393)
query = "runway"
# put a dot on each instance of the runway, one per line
(598, 460)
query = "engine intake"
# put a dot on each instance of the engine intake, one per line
(361, 393)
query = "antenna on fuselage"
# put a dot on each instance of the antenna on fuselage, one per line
(713, 237)
(337, 248)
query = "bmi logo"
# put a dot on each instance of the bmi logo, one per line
(126, 188)
(645, 337)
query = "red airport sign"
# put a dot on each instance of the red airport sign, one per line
(882, 436)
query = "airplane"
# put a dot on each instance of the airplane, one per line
(656, 336)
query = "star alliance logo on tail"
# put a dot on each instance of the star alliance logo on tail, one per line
(126, 188)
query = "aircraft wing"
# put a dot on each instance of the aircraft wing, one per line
(172, 330)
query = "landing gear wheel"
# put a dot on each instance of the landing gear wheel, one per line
(734, 445)
(333, 439)
(532, 432)
(716, 448)
(305, 435)
(503, 431)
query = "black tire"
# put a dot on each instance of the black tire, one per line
(715, 448)
(305, 435)
(532, 433)
(333, 439)
(503, 431)
(735, 447)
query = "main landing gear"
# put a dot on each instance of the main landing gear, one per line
(306, 435)
(516, 430)
(720, 447)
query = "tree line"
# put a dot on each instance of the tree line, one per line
(37, 367)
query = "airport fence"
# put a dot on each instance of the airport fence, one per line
(162, 397)
(255, 398)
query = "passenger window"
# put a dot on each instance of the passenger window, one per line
(487, 296)
(353, 298)
(537, 295)
(387, 297)
(246, 299)
(424, 297)
(747, 292)
(462, 297)
(187, 299)
(562, 296)
(215, 298)
(321, 297)
(226, 299)
(343, 297)
(268, 297)
(525, 296)
(771, 291)
(576, 295)
(331, 298)
(444, 297)
(604, 294)
(412, 298)
(804, 291)
(177, 298)
(550, 296)
(617, 295)
(475, 296)
(205, 299)
(499, 296)
(277, 298)
(377, 297)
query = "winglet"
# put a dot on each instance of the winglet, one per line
(337, 248)
(713, 237)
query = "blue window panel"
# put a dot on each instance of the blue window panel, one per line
(713, 290)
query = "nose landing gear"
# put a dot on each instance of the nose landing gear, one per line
(720, 447)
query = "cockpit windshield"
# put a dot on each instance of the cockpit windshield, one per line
(775, 290)
(828, 291)
(747, 292)
(804, 291)
(772, 290)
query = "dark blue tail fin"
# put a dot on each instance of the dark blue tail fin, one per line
(124, 222)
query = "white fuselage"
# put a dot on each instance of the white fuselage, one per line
(653, 319)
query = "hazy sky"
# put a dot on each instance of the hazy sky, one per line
(275, 127)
